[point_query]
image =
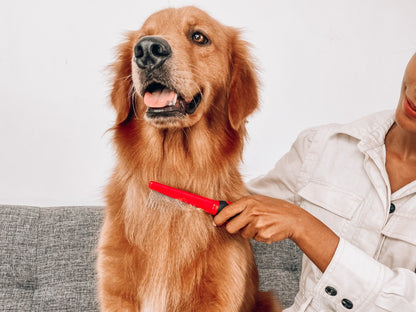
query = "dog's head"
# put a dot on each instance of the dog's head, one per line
(182, 65)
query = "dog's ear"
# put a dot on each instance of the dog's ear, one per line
(243, 93)
(122, 91)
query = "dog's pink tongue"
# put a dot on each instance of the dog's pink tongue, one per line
(159, 98)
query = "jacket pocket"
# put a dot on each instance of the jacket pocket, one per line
(399, 247)
(401, 227)
(317, 195)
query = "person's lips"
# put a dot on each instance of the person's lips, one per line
(409, 108)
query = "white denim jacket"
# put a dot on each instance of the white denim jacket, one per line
(337, 173)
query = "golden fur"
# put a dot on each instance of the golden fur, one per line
(170, 257)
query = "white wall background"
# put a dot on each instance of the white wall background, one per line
(321, 61)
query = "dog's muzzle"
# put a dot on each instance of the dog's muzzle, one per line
(161, 99)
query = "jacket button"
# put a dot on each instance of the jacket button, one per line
(330, 291)
(392, 208)
(347, 304)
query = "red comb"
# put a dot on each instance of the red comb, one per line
(209, 205)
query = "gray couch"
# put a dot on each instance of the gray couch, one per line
(47, 260)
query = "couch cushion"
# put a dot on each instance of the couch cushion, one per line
(279, 265)
(47, 260)
(18, 258)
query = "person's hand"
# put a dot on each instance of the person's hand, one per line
(267, 219)
(262, 218)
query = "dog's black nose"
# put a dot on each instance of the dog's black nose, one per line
(151, 52)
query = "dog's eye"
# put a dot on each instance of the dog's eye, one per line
(199, 38)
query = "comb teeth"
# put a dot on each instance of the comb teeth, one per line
(159, 201)
(206, 204)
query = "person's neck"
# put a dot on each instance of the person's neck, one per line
(401, 143)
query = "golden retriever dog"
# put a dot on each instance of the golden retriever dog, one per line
(183, 87)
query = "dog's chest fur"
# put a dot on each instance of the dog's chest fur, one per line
(173, 240)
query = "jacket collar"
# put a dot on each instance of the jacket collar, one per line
(371, 130)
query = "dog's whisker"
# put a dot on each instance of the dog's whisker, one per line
(128, 78)
(132, 97)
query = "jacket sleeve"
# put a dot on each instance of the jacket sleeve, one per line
(282, 180)
(355, 281)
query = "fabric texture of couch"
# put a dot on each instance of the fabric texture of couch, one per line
(47, 260)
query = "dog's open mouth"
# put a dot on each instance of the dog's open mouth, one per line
(162, 101)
